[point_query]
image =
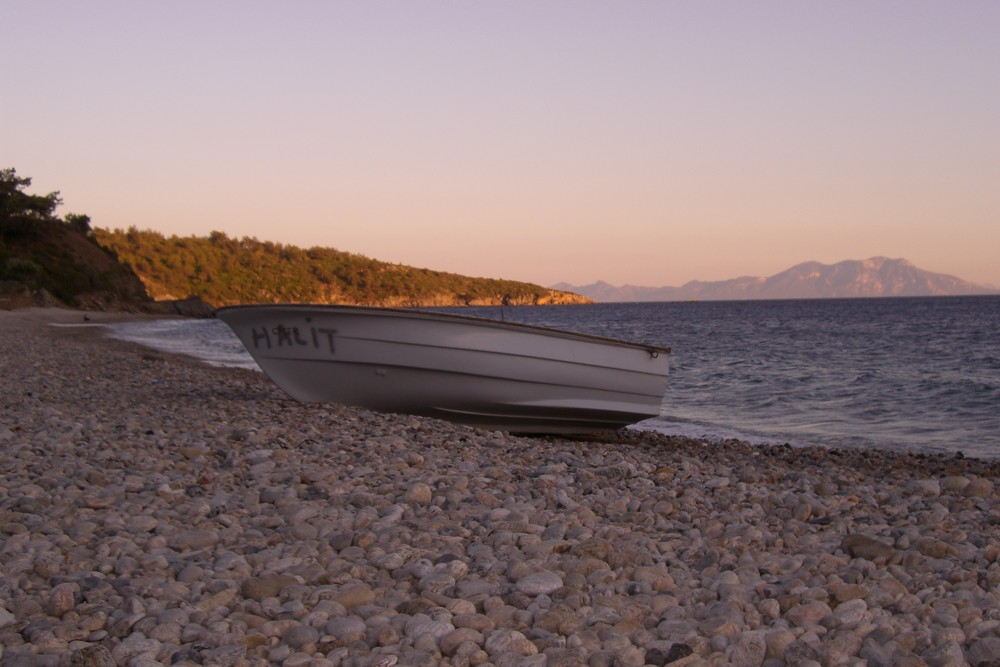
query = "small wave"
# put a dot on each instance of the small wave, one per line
(210, 341)
(708, 433)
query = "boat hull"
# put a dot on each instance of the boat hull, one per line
(485, 373)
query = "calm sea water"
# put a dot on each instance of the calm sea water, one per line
(918, 374)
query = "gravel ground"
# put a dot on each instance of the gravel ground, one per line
(154, 510)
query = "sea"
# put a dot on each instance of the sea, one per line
(920, 375)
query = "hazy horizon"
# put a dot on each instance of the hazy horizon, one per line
(636, 143)
(772, 274)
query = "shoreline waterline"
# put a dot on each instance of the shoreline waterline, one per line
(918, 375)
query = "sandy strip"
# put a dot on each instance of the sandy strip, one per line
(157, 510)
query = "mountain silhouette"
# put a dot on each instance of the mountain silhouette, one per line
(875, 277)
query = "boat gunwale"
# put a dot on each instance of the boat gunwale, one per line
(433, 314)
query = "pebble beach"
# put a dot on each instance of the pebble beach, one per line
(155, 510)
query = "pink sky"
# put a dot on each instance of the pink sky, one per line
(642, 142)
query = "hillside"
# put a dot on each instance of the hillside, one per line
(225, 271)
(875, 277)
(45, 260)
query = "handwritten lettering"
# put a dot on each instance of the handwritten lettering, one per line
(329, 336)
(319, 338)
(259, 336)
(288, 336)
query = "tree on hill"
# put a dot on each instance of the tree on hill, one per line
(20, 210)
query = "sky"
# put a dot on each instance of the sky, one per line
(637, 142)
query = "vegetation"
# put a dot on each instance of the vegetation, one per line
(223, 271)
(43, 256)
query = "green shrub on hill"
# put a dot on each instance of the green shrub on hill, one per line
(224, 271)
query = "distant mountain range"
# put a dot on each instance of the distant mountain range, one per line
(875, 277)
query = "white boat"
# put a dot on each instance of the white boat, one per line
(486, 373)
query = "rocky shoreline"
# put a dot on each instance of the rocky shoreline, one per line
(154, 510)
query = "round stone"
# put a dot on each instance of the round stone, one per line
(539, 583)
